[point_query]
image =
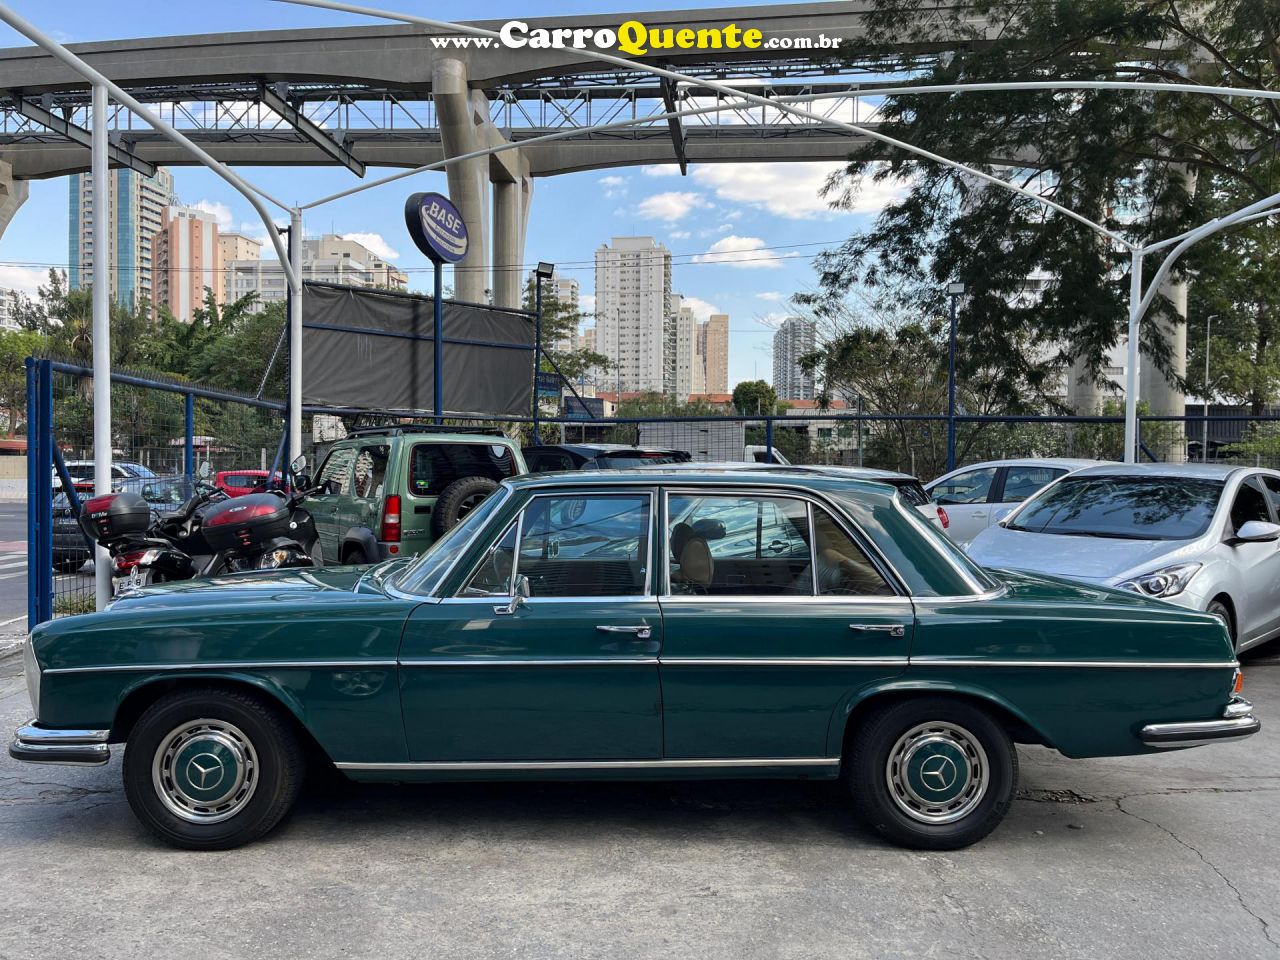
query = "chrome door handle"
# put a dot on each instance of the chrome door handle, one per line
(892, 629)
(642, 632)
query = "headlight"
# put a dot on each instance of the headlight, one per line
(1165, 582)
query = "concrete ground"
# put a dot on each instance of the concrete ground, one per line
(1170, 856)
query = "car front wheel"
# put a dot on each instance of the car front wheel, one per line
(211, 769)
(932, 774)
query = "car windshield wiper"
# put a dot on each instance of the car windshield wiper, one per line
(1101, 534)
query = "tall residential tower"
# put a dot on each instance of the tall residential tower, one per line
(633, 310)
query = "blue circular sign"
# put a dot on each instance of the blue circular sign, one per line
(436, 226)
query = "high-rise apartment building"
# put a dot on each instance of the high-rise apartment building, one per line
(328, 259)
(186, 257)
(136, 206)
(795, 338)
(687, 361)
(233, 247)
(567, 291)
(633, 312)
(713, 345)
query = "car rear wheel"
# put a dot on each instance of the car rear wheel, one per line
(211, 769)
(932, 774)
(457, 500)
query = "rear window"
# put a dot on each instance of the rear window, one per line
(433, 466)
(631, 458)
(548, 461)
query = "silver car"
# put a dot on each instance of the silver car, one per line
(976, 496)
(1202, 537)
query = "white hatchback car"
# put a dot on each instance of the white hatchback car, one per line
(1203, 537)
(980, 494)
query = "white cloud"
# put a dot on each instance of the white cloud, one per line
(773, 296)
(376, 245)
(672, 206)
(745, 253)
(680, 234)
(614, 186)
(661, 170)
(587, 302)
(218, 210)
(790, 190)
(612, 181)
(701, 308)
(23, 279)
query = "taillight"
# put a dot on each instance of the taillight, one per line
(942, 515)
(125, 562)
(391, 519)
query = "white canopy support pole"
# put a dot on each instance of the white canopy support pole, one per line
(253, 194)
(101, 210)
(1131, 364)
(295, 333)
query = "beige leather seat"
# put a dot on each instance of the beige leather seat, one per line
(690, 551)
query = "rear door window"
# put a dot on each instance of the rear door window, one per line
(370, 471)
(335, 475)
(434, 466)
(1021, 482)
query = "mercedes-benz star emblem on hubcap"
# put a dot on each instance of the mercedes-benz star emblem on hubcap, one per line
(205, 771)
(937, 773)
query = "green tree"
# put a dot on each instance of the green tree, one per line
(15, 347)
(561, 322)
(755, 398)
(1128, 159)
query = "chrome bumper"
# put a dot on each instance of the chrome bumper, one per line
(78, 748)
(1237, 723)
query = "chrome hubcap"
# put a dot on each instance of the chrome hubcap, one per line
(937, 772)
(205, 771)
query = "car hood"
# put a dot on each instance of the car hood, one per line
(1092, 559)
(309, 582)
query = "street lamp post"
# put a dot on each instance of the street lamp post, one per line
(543, 271)
(1204, 436)
(955, 291)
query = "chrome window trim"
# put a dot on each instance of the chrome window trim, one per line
(534, 601)
(1082, 664)
(978, 588)
(685, 598)
(501, 765)
(506, 491)
(233, 665)
(846, 524)
(640, 490)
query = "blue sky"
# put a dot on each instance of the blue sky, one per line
(717, 208)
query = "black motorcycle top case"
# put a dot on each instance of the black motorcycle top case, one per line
(246, 524)
(115, 516)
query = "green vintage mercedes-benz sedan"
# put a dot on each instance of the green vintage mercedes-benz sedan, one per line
(627, 625)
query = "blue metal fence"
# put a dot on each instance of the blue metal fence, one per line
(159, 422)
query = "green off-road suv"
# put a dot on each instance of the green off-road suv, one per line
(391, 491)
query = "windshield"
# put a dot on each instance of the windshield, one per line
(1122, 508)
(426, 572)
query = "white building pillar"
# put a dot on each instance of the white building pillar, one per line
(13, 194)
(460, 133)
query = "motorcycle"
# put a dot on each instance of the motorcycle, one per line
(209, 534)
(265, 531)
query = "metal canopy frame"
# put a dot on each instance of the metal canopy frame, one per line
(116, 154)
(1140, 301)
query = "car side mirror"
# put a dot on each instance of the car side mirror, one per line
(520, 593)
(204, 471)
(1256, 531)
(298, 463)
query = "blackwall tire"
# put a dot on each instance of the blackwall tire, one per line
(457, 500)
(212, 769)
(932, 773)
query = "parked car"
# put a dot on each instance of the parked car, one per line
(908, 487)
(548, 458)
(1199, 536)
(392, 491)
(610, 625)
(976, 496)
(238, 483)
(70, 549)
(81, 472)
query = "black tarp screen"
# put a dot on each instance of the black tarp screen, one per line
(374, 350)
